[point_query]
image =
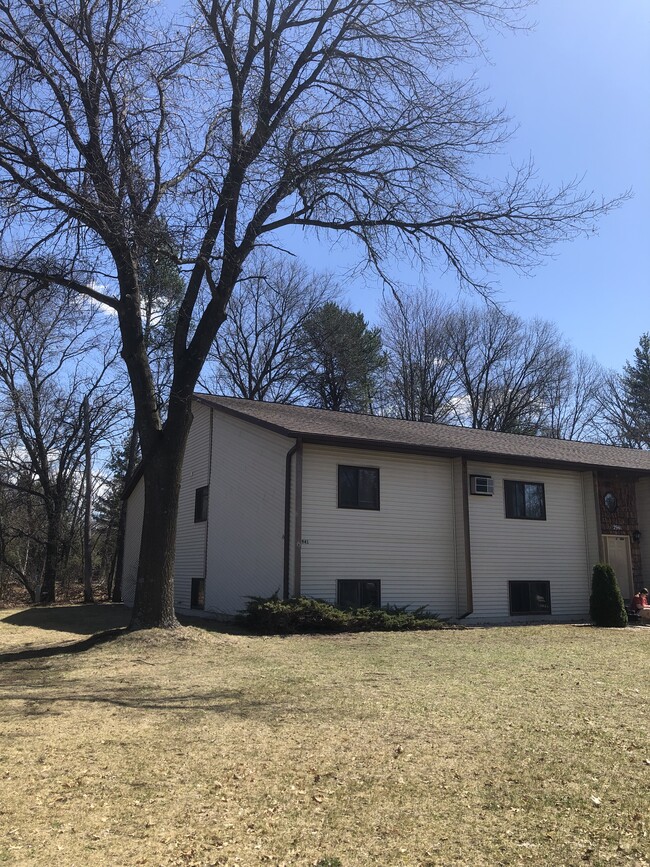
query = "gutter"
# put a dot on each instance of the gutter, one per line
(467, 541)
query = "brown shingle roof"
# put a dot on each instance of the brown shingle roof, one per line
(318, 425)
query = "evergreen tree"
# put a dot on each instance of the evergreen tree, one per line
(344, 357)
(606, 606)
(636, 395)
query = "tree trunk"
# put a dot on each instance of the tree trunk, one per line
(154, 594)
(52, 556)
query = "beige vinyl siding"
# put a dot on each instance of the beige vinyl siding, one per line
(643, 517)
(191, 538)
(507, 549)
(246, 514)
(132, 537)
(408, 544)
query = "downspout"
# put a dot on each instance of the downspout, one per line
(297, 556)
(207, 520)
(287, 519)
(468, 548)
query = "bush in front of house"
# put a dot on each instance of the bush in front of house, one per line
(606, 606)
(303, 615)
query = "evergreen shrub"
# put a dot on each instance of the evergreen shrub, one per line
(303, 615)
(606, 606)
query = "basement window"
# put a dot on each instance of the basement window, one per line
(358, 594)
(358, 488)
(529, 597)
(525, 500)
(201, 505)
(198, 594)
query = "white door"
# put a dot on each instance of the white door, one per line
(619, 556)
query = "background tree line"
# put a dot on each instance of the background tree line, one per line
(222, 125)
(291, 339)
(60, 398)
(62, 392)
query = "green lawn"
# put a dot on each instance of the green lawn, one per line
(479, 747)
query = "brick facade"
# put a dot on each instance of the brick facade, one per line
(623, 521)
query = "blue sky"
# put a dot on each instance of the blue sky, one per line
(578, 86)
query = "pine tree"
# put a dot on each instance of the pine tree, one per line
(344, 356)
(636, 394)
(606, 606)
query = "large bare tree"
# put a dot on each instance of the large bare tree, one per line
(482, 367)
(503, 367)
(225, 128)
(574, 404)
(51, 363)
(262, 350)
(420, 381)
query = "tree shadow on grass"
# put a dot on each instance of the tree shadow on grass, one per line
(70, 647)
(77, 619)
(100, 623)
(212, 701)
(182, 707)
(89, 619)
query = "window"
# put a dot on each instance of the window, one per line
(525, 500)
(198, 593)
(358, 594)
(201, 505)
(358, 488)
(530, 597)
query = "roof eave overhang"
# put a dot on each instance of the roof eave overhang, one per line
(410, 448)
(469, 454)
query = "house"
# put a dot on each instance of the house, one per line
(360, 510)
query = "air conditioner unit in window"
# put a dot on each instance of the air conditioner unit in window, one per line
(482, 485)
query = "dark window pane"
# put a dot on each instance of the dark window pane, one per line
(518, 597)
(358, 594)
(348, 483)
(348, 594)
(358, 488)
(369, 594)
(530, 597)
(534, 495)
(524, 500)
(368, 488)
(511, 490)
(198, 593)
(540, 597)
(201, 505)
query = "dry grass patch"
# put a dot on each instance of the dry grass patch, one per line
(480, 747)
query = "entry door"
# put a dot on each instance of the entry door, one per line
(619, 557)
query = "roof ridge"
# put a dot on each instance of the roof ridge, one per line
(425, 426)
